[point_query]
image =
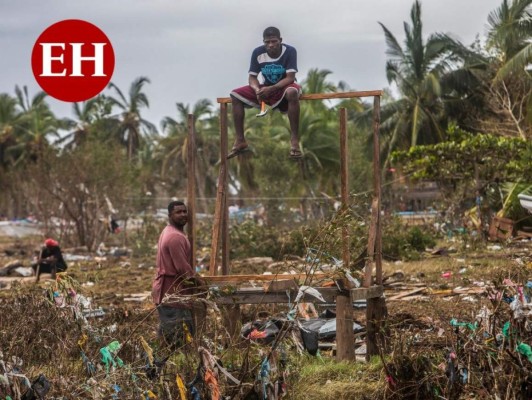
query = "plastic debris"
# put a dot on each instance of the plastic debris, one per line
(451, 369)
(38, 390)
(147, 349)
(181, 387)
(109, 357)
(89, 366)
(117, 390)
(212, 383)
(524, 349)
(463, 375)
(194, 393)
(469, 325)
(264, 376)
(310, 291)
(256, 334)
(353, 281)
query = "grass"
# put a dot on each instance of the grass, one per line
(420, 335)
(328, 379)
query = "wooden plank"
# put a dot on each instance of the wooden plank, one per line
(281, 285)
(376, 311)
(344, 306)
(372, 237)
(191, 188)
(323, 96)
(225, 210)
(344, 183)
(501, 228)
(410, 292)
(377, 188)
(307, 310)
(524, 234)
(258, 296)
(267, 278)
(344, 328)
(213, 264)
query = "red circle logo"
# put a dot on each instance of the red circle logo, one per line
(73, 60)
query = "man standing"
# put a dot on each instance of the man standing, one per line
(275, 63)
(173, 277)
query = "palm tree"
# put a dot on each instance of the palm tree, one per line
(173, 146)
(510, 39)
(10, 116)
(37, 123)
(132, 126)
(85, 114)
(509, 34)
(177, 129)
(417, 70)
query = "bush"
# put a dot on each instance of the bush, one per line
(251, 240)
(401, 243)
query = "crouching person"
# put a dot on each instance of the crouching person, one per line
(50, 260)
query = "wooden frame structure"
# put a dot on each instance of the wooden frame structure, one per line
(371, 289)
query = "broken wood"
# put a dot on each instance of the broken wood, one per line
(307, 310)
(245, 278)
(410, 292)
(279, 285)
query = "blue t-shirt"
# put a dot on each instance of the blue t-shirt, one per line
(273, 69)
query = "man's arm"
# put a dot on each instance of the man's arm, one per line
(49, 258)
(254, 83)
(267, 90)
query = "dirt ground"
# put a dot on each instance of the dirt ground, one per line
(437, 341)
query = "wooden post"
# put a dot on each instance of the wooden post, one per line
(344, 181)
(191, 188)
(220, 210)
(217, 222)
(225, 209)
(345, 339)
(376, 307)
(377, 187)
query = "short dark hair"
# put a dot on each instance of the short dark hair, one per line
(173, 204)
(271, 31)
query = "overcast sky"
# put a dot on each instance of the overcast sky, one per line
(198, 49)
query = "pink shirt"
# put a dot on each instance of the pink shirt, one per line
(173, 266)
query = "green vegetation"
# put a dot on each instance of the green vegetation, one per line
(461, 109)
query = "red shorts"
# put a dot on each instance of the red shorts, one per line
(276, 100)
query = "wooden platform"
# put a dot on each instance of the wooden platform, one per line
(260, 296)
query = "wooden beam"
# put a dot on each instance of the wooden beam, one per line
(372, 237)
(259, 296)
(377, 188)
(323, 96)
(225, 210)
(191, 188)
(344, 183)
(376, 311)
(220, 209)
(265, 278)
(215, 241)
(406, 294)
(344, 306)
